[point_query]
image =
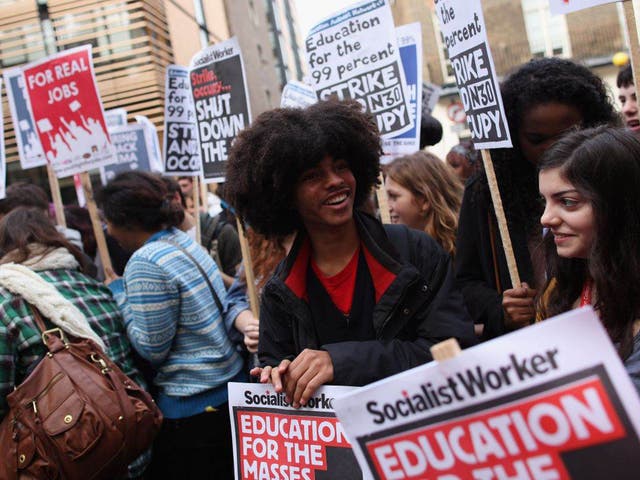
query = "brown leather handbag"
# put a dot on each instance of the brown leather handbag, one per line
(76, 416)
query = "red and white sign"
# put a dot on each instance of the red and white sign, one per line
(67, 111)
(455, 112)
(557, 7)
(551, 401)
(272, 440)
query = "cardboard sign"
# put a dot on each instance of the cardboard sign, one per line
(153, 145)
(297, 95)
(130, 144)
(180, 140)
(549, 401)
(221, 100)
(29, 148)
(410, 43)
(430, 96)
(465, 37)
(272, 440)
(354, 55)
(67, 111)
(116, 117)
(557, 7)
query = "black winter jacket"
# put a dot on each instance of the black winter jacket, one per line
(474, 262)
(419, 308)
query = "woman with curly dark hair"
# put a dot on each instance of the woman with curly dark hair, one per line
(543, 99)
(589, 181)
(353, 301)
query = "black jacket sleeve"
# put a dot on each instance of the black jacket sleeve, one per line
(229, 250)
(276, 331)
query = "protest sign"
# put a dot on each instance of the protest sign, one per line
(180, 140)
(410, 43)
(116, 117)
(464, 35)
(29, 148)
(272, 440)
(557, 7)
(67, 111)
(221, 101)
(131, 149)
(297, 95)
(153, 145)
(354, 55)
(430, 97)
(539, 403)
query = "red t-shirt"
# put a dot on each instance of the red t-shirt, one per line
(340, 286)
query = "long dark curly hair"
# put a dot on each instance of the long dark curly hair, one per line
(603, 164)
(541, 81)
(267, 159)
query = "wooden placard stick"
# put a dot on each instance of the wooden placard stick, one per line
(54, 186)
(101, 242)
(383, 201)
(634, 47)
(445, 350)
(248, 270)
(195, 193)
(502, 220)
(204, 193)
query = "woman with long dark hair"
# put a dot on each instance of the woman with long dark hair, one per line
(173, 301)
(543, 99)
(589, 181)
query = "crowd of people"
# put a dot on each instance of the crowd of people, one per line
(344, 298)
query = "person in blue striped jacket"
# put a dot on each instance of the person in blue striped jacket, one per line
(173, 302)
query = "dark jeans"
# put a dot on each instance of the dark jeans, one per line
(197, 447)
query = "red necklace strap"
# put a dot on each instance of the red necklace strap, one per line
(587, 293)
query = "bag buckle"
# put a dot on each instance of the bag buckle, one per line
(53, 331)
(103, 365)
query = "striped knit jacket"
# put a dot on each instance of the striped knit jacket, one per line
(172, 319)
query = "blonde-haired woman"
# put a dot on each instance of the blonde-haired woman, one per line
(425, 194)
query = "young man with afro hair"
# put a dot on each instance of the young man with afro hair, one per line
(354, 301)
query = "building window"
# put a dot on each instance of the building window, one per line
(548, 35)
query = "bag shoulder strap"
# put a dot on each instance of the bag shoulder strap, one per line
(202, 272)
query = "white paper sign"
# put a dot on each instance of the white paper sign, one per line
(465, 37)
(180, 140)
(430, 96)
(557, 7)
(354, 55)
(221, 100)
(131, 145)
(153, 145)
(116, 117)
(297, 95)
(273, 440)
(29, 147)
(550, 401)
(410, 43)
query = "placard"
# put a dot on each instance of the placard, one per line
(116, 117)
(465, 38)
(153, 145)
(132, 151)
(549, 401)
(297, 95)
(29, 148)
(67, 111)
(410, 43)
(272, 440)
(221, 100)
(354, 55)
(180, 139)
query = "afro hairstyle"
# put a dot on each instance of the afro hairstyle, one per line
(268, 158)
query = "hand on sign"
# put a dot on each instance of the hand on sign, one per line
(518, 307)
(309, 371)
(272, 375)
(247, 324)
(110, 276)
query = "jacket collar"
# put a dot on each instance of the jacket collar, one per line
(293, 271)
